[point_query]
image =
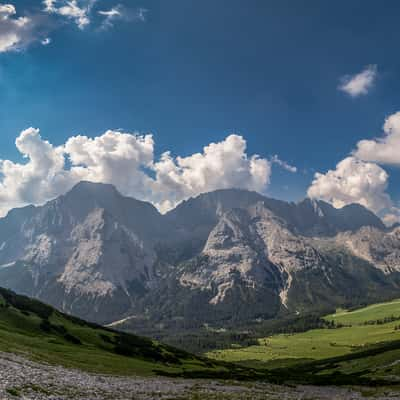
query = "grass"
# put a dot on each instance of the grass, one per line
(361, 332)
(43, 334)
(369, 313)
(316, 344)
(357, 353)
(13, 391)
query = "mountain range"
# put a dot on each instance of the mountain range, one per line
(226, 255)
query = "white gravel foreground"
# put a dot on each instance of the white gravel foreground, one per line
(24, 379)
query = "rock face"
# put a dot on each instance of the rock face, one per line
(83, 252)
(382, 249)
(229, 254)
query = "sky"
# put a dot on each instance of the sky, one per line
(169, 99)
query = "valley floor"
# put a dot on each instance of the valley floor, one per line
(24, 379)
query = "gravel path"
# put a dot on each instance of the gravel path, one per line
(20, 378)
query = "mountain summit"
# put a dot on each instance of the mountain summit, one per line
(228, 254)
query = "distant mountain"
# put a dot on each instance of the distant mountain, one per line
(308, 217)
(225, 255)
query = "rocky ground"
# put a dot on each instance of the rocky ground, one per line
(20, 378)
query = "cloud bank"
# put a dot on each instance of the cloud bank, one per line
(359, 84)
(127, 161)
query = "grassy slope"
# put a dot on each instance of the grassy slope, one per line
(31, 328)
(369, 350)
(372, 312)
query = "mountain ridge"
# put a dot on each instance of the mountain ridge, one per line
(227, 254)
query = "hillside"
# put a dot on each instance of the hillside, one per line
(31, 328)
(50, 339)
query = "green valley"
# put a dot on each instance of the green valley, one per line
(365, 342)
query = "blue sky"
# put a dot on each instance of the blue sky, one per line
(193, 72)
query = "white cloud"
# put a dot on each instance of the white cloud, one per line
(121, 13)
(49, 5)
(114, 157)
(34, 181)
(276, 160)
(353, 181)
(390, 219)
(127, 161)
(359, 84)
(6, 10)
(220, 165)
(16, 32)
(110, 16)
(385, 150)
(79, 12)
(113, 12)
(360, 179)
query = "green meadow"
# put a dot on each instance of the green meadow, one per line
(369, 313)
(354, 331)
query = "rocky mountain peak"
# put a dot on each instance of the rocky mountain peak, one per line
(98, 254)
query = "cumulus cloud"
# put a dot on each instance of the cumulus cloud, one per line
(36, 179)
(16, 33)
(220, 165)
(6, 10)
(385, 150)
(276, 160)
(360, 178)
(353, 181)
(127, 161)
(114, 157)
(359, 84)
